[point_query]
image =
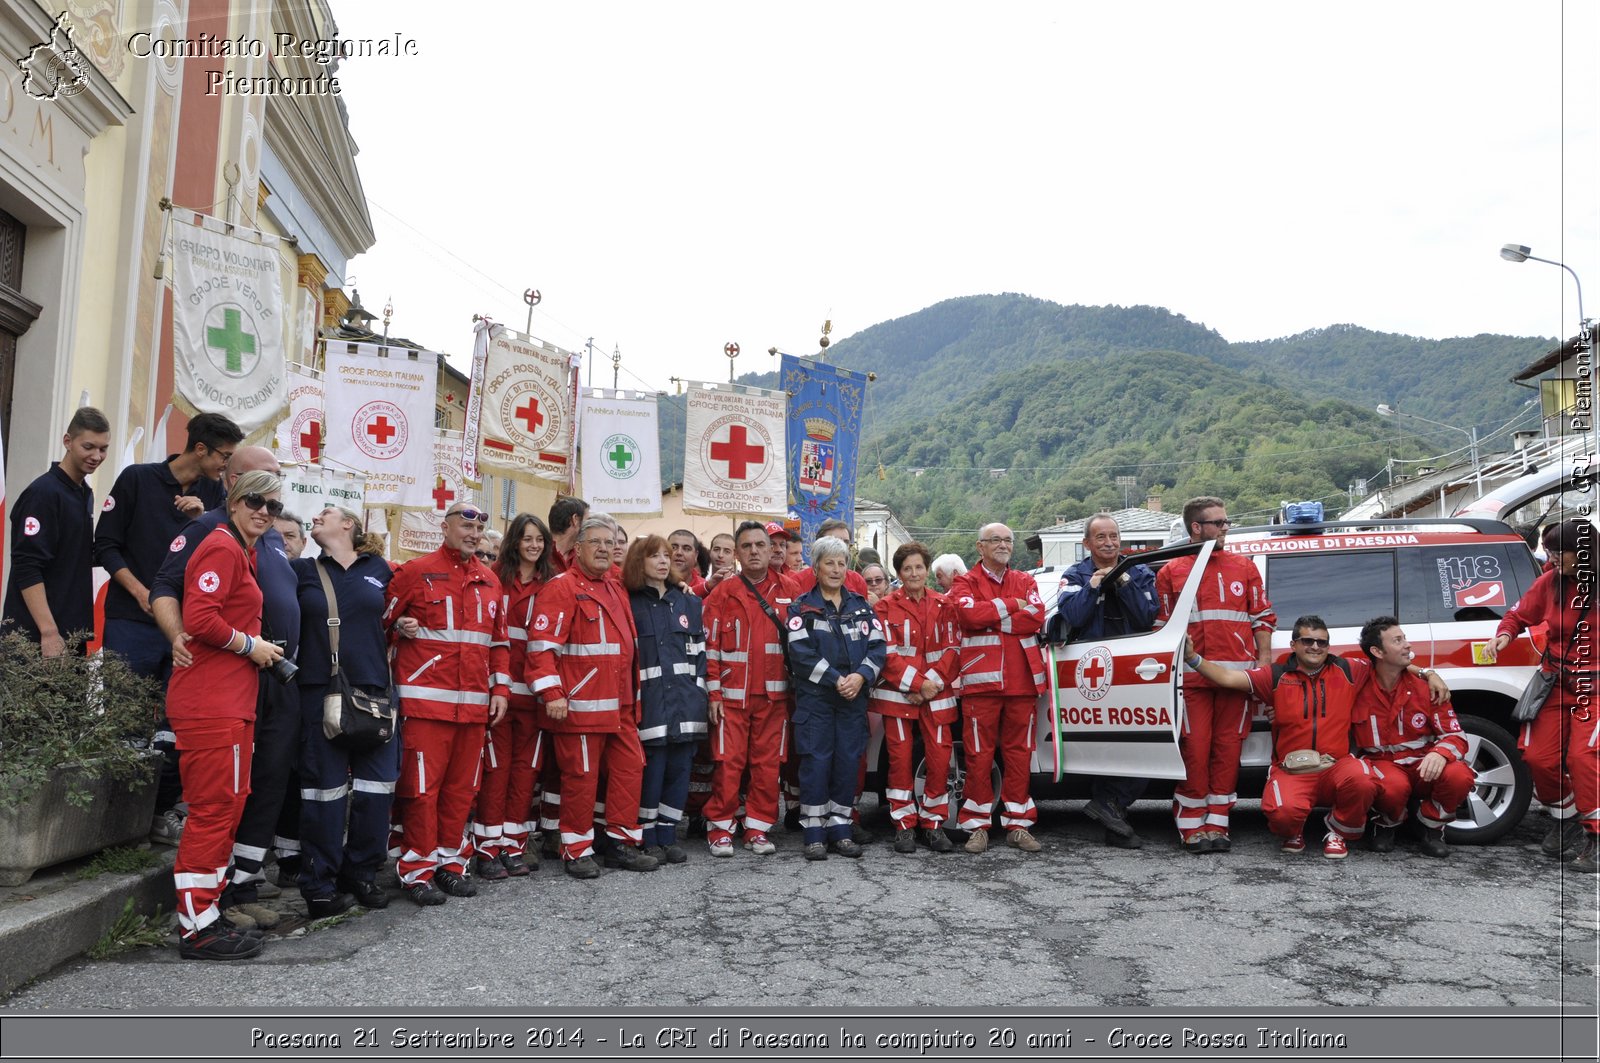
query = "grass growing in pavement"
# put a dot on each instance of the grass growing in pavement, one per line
(131, 931)
(119, 861)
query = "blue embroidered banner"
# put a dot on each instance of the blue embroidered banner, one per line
(823, 434)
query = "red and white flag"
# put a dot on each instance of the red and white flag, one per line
(734, 462)
(420, 531)
(299, 437)
(380, 406)
(520, 413)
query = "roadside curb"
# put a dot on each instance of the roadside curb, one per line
(55, 919)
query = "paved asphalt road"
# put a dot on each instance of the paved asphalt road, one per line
(1079, 924)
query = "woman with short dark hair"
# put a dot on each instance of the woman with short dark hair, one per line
(672, 690)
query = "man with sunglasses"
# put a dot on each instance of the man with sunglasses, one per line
(277, 723)
(452, 675)
(1231, 626)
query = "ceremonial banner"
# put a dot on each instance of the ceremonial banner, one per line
(419, 530)
(621, 455)
(298, 437)
(520, 412)
(734, 459)
(380, 404)
(823, 434)
(309, 489)
(227, 323)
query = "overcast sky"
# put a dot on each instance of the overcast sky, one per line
(673, 176)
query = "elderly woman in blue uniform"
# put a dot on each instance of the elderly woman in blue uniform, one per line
(672, 690)
(836, 653)
(345, 796)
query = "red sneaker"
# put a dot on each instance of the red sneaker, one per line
(1334, 847)
(1295, 844)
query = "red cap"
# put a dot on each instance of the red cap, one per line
(776, 530)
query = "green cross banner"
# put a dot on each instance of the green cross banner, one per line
(620, 463)
(228, 315)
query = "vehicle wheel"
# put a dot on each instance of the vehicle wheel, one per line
(1505, 786)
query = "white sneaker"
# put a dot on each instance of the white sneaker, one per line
(722, 847)
(757, 842)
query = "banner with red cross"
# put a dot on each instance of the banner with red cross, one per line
(734, 463)
(380, 403)
(621, 452)
(228, 323)
(421, 532)
(520, 412)
(299, 436)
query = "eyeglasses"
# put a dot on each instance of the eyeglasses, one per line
(1002, 542)
(1223, 523)
(873, 581)
(1313, 644)
(254, 501)
(469, 514)
(607, 543)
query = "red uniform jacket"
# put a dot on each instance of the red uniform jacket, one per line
(460, 657)
(516, 604)
(922, 637)
(744, 650)
(1556, 603)
(1401, 726)
(580, 647)
(1312, 711)
(1230, 608)
(1000, 646)
(220, 597)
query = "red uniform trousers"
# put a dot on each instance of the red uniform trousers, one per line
(1440, 798)
(904, 809)
(441, 765)
(505, 800)
(1348, 788)
(751, 737)
(215, 769)
(1215, 722)
(548, 771)
(583, 757)
(1556, 734)
(998, 723)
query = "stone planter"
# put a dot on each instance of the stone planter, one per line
(45, 829)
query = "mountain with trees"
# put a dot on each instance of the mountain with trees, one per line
(1019, 409)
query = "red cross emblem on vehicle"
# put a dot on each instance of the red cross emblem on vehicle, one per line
(1094, 673)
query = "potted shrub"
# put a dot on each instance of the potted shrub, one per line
(77, 774)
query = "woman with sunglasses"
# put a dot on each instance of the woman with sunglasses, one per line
(212, 707)
(672, 690)
(501, 823)
(339, 863)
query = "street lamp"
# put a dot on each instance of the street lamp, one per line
(1521, 253)
(1386, 410)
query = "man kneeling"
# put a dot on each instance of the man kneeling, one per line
(1413, 748)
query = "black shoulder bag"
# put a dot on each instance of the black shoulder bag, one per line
(1537, 692)
(352, 719)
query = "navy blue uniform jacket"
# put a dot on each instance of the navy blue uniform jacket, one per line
(826, 644)
(137, 526)
(672, 665)
(52, 538)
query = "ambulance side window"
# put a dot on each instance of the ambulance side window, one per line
(1344, 589)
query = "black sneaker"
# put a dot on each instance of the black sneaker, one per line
(631, 858)
(816, 851)
(938, 840)
(846, 847)
(454, 883)
(366, 894)
(1564, 839)
(219, 941)
(515, 865)
(1109, 816)
(1431, 843)
(1381, 839)
(490, 869)
(582, 867)
(1587, 861)
(426, 894)
(674, 854)
(1118, 841)
(324, 907)
(905, 840)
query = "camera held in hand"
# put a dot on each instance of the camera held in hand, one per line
(283, 669)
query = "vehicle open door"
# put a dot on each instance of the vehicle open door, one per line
(1114, 705)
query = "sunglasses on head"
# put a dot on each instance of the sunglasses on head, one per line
(254, 501)
(469, 514)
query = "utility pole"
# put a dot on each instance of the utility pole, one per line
(616, 364)
(1126, 482)
(532, 298)
(730, 349)
(590, 345)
